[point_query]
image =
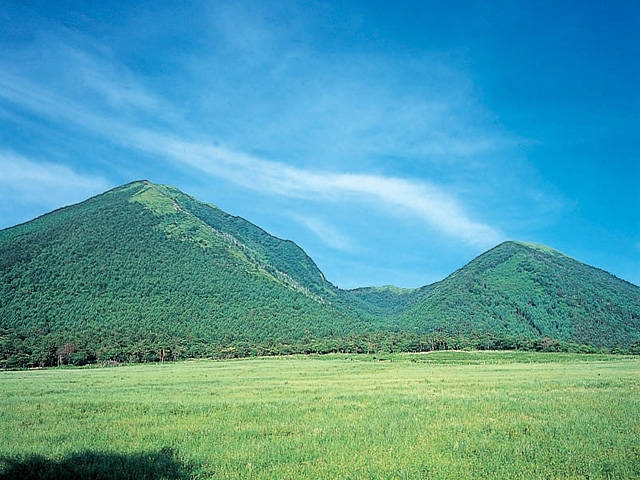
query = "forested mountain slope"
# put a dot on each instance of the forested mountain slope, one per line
(522, 290)
(145, 272)
(145, 269)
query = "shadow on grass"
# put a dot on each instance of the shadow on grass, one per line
(97, 466)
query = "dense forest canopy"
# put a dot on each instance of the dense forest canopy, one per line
(145, 272)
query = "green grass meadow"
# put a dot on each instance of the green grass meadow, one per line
(438, 415)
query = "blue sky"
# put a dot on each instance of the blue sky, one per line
(393, 141)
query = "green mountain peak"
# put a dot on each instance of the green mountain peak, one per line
(146, 268)
(529, 290)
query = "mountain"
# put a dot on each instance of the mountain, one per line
(526, 291)
(145, 272)
(144, 269)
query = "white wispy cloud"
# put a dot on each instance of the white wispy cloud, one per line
(327, 233)
(78, 81)
(101, 83)
(439, 209)
(297, 100)
(45, 177)
(39, 186)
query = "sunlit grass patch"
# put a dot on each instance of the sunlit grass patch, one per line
(444, 415)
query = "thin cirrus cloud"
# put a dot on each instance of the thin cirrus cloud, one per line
(326, 232)
(435, 206)
(40, 186)
(440, 210)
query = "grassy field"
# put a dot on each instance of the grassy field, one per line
(438, 415)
